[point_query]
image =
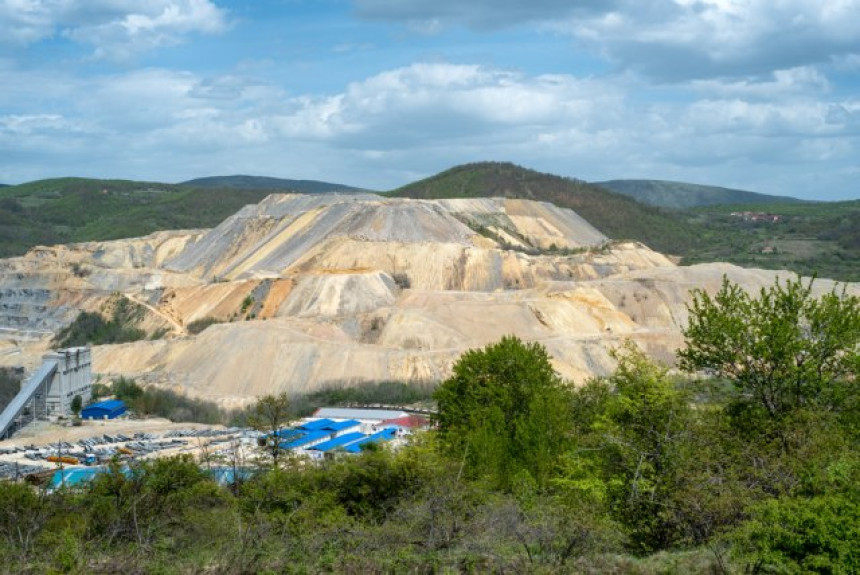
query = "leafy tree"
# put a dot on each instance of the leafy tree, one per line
(505, 412)
(269, 415)
(77, 405)
(646, 424)
(783, 350)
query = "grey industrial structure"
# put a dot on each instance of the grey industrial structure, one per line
(49, 392)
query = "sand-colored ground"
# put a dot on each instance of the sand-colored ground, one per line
(339, 289)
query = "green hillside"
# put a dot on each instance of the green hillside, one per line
(616, 215)
(809, 237)
(48, 212)
(680, 195)
(264, 183)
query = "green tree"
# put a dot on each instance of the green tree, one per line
(77, 405)
(505, 412)
(783, 350)
(645, 426)
(269, 416)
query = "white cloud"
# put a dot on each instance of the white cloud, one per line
(158, 124)
(116, 29)
(669, 39)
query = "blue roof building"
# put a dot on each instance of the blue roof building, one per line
(305, 439)
(385, 435)
(316, 424)
(340, 441)
(342, 425)
(109, 409)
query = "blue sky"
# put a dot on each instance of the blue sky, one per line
(753, 94)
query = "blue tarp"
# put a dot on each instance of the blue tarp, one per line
(338, 441)
(73, 477)
(308, 437)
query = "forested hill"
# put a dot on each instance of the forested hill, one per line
(264, 183)
(681, 195)
(64, 210)
(616, 215)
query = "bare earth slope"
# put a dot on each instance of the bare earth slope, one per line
(337, 289)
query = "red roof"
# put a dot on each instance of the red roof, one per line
(409, 421)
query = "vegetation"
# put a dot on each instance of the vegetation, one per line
(641, 472)
(157, 402)
(93, 328)
(616, 215)
(10, 385)
(505, 412)
(369, 393)
(809, 238)
(269, 416)
(264, 183)
(198, 325)
(784, 350)
(822, 238)
(68, 210)
(681, 195)
(77, 405)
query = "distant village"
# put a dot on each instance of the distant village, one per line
(757, 217)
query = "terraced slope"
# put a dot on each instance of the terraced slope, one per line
(304, 292)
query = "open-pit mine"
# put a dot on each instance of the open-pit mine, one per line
(302, 292)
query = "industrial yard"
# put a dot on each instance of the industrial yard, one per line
(60, 454)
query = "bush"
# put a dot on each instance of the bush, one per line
(820, 535)
(199, 325)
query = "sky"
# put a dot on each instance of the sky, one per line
(762, 95)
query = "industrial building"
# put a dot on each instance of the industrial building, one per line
(346, 430)
(108, 409)
(49, 392)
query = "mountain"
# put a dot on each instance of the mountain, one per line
(4, 185)
(302, 292)
(63, 210)
(264, 183)
(616, 215)
(681, 195)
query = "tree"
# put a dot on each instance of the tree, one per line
(783, 350)
(77, 405)
(646, 424)
(505, 412)
(269, 415)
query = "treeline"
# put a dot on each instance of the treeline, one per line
(753, 470)
(158, 402)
